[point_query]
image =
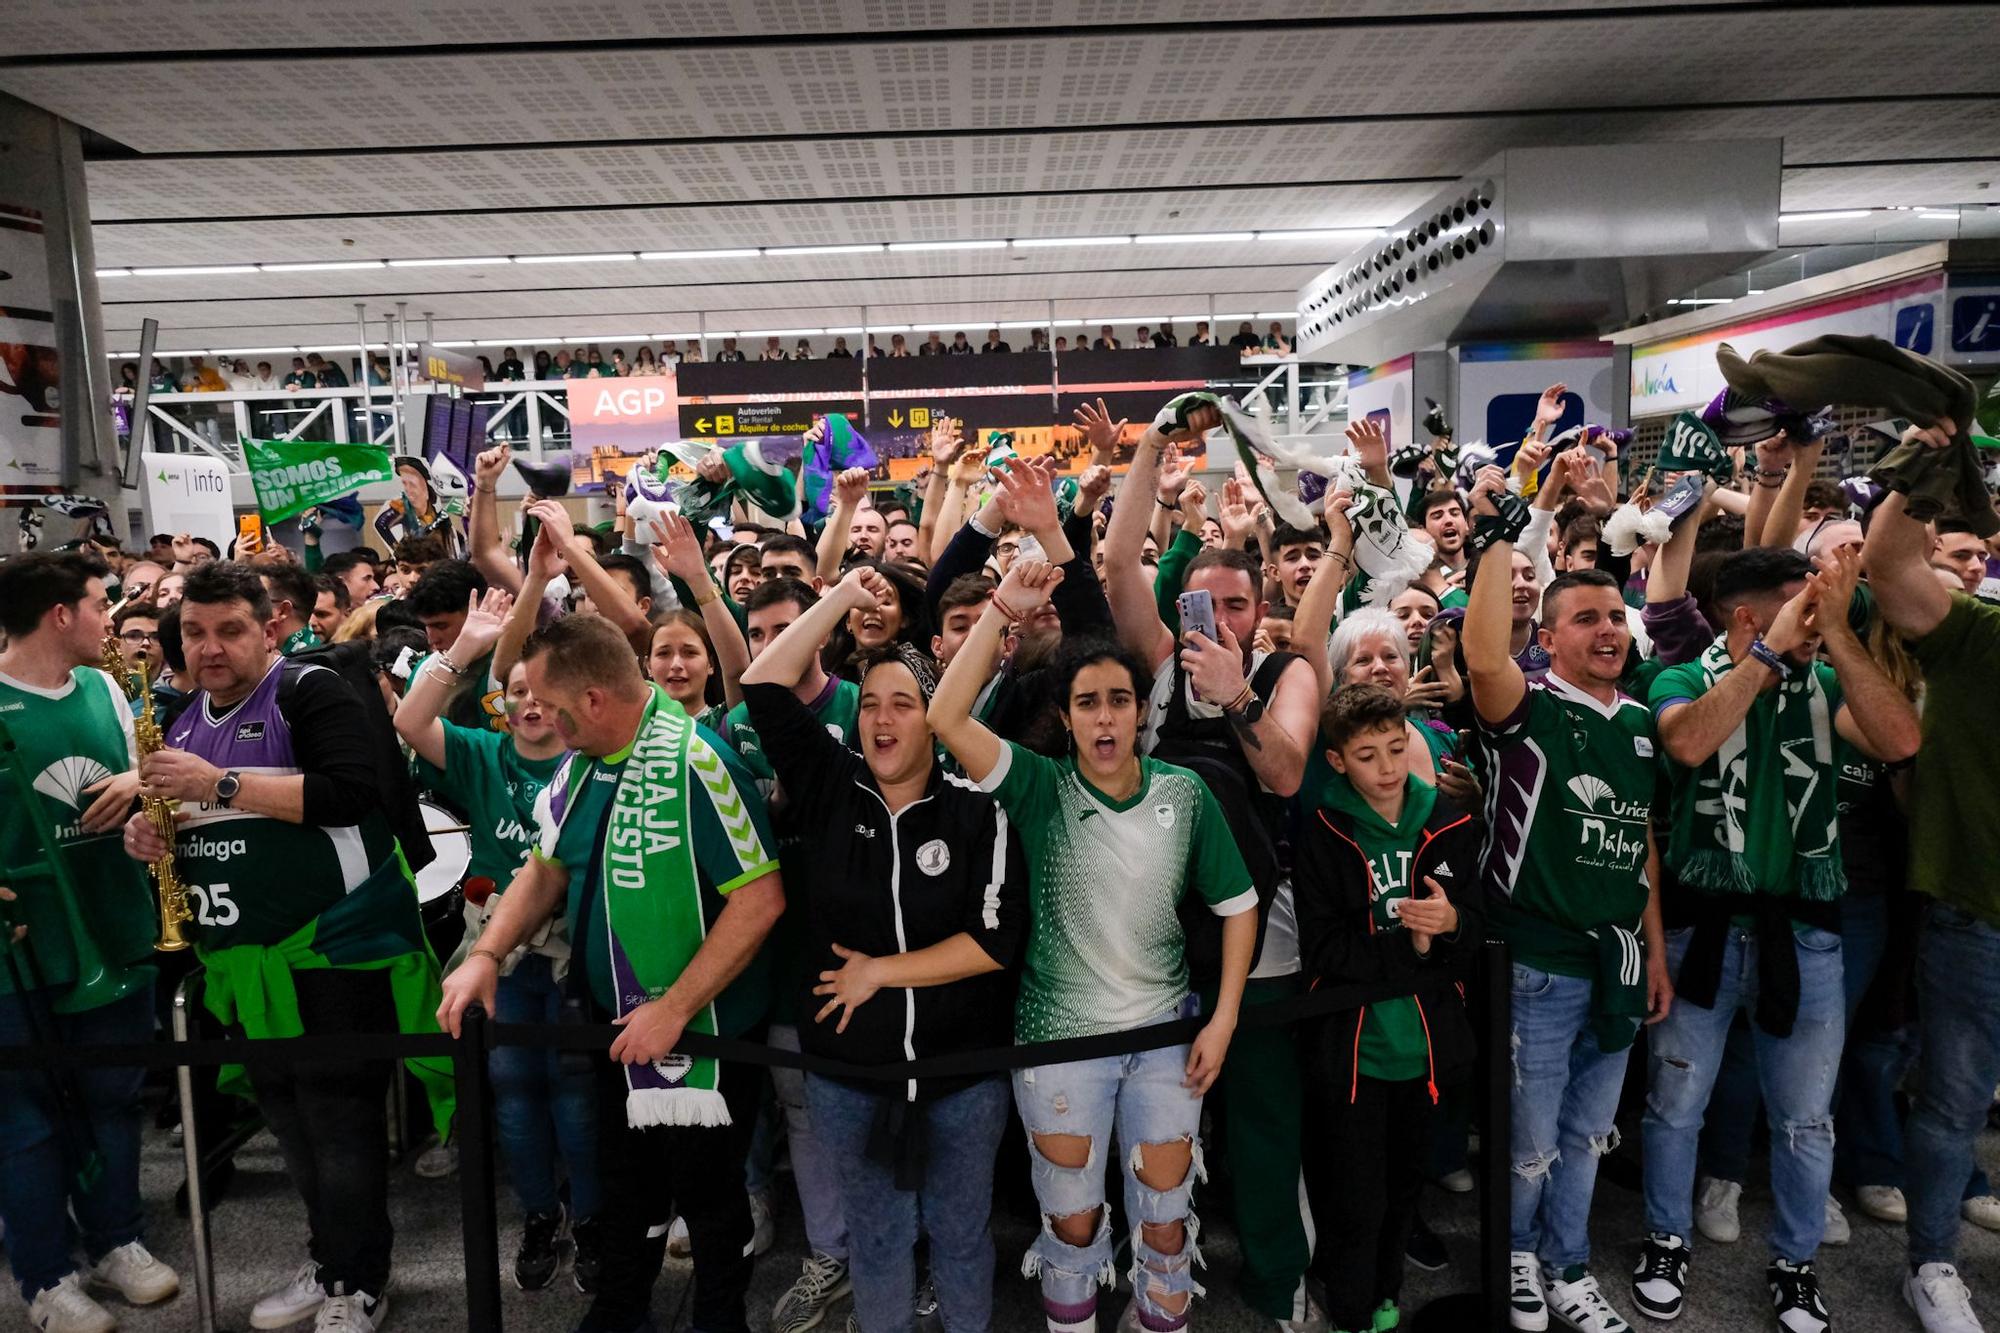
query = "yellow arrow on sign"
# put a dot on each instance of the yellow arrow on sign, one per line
(701, 425)
(895, 418)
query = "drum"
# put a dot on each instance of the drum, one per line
(440, 898)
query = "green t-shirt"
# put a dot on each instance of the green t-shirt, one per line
(67, 740)
(1568, 799)
(1954, 837)
(1105, 879)
(478, 700)
(725, 858)
(495, 788)
(1761, 793)
(1393, 1044)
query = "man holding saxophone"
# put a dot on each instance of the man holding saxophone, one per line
(79, 927)
(304, 916)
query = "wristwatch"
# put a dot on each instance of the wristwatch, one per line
(226, 788)
(1253, 712)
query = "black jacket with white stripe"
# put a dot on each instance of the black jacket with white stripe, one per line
(884, 884)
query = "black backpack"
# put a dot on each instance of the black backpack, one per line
(1208, 748)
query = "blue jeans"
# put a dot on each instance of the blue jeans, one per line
(1141, 1096)
(1958, 994)
(1796, 1074)
(539, 1110)
(1565, 1095)
(38, 1159)
(953, 1207)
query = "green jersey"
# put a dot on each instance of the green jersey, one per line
(1568, 801)
(68, 740)
(573, 816)
(1105, 878)
(1955, 788)
(486, 777)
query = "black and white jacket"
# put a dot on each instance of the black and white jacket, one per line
(885, 884)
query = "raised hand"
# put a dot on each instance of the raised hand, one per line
(555, 521)
(1236, 513)
(1490, 482)
(488, 466)
(1369, 443)
(1193, 506)
(678, 550)
(850, 488)
(1215, 666)
(1097, 426)
(485, 617)
(1549, 407)
(1838, 574)
(1027, 588)
(945, 440)
(865, 588)
(1093, 486)
(1174, 470)
(1024, 493)
(1793, 628)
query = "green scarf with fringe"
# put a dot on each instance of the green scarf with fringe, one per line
(1760, 816)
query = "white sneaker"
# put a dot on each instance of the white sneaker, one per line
(1715, 1210)
(1982, 1210)
(679, 1246)
(292, 1302)
(67, 1308)
(1581, 1305)
(135, 1274)
(1313, 1321)
(763, 1230)
(1884, 1203)
(357, 1312)
(1939, 1297)
(1836, 1232)
(1456, 1182)
(1527, 1308)
(822, 1281)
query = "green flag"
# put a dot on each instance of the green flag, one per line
(291, 476)
(1691, 446)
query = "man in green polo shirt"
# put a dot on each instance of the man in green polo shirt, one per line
(658, 843)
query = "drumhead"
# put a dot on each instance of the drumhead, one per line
(452, 842)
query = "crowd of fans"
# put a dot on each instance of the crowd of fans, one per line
(1020, 761)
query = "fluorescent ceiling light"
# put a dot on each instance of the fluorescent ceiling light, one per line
(1938, 214)
(1020, 324)
(1320, 234)
(744, 252)
(842, 333)
(890, 328)
(115, 273)
(1699, 300)
(675, 337)
(1827, 215)
(449, 263)
(1038, 242)
(604, 338)
(780, 333)
(906, 246)
(1219, 319)
(875, 247)
(322, 267)
(193, 270)
(610, 257)
(1195, 237)
(240, 351)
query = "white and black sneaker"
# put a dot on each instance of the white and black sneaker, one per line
(1527, 1309)
(540, 1257)
(1659, 1279)
(1795, 1297)
(1577, 1300)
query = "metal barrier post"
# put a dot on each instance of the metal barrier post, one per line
(204, 1260)
(1486, 1307)
(474, 1129)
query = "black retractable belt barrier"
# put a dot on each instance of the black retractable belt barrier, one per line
(1486, 1307)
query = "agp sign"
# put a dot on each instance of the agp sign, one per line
(631, 413)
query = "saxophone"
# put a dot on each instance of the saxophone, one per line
(138, 686)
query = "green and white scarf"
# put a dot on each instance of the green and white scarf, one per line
(653, 912)
(1764, 831)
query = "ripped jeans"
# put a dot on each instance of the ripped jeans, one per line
(1140, 1097)
(1796, 1074)
(1565, 1095)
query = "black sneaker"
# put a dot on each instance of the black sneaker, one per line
(1795, 1297)
(540, 1256)
(1660, 1278)
(1425, 1248)
(589, 1238)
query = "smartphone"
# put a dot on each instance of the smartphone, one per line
(249, 533)
(1197, 609)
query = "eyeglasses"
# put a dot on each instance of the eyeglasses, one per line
(137, 636)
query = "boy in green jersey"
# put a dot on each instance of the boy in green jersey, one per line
(1571, 879)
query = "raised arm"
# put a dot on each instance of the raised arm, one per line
(1897, 556)
(1173, 479)
(416, 716)
(1312, 619)
(786, 658)
(850, 488)
(677, 551)
(609, 595)
(1691, 731)
(1788, 509)
(1125, 584)
(945, 445)
(1875, 717)
(1021, 594)
(545, 562)
(484, 548)
(1495, 677)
